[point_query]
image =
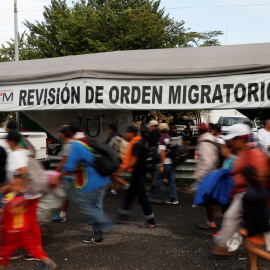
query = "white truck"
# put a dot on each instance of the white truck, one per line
(228, 120)
(37, 139)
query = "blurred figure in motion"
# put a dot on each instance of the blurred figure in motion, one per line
(12, 125)
(135, 162)
(67, 180)
(263, 137)
(23, 218)
(208, 160)
(153, 139)
(3, 176)
(16, 227)
(255, 217)
(90, 184)
(238, 139)
(166, 170)
(115, 140)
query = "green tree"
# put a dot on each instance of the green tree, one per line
(101, 26)
(26, 51)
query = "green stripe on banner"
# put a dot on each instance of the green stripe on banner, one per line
(29, 124)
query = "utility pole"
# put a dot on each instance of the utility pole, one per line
(16, 31)
(16, 51)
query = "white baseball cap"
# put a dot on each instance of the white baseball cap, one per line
(153, 123)
(237, 130)
(163, 126)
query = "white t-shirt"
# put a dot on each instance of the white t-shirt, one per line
(163, 142)
(16, 159)
(264, 140)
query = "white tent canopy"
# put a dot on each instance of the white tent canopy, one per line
(219, 77)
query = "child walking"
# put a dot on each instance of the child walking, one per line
(16, 227)
(255, 216)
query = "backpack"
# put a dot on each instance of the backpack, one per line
(220, 157)
(152, 159)
(176, 151)
(123, 145)
(37, 179)
(106, 163)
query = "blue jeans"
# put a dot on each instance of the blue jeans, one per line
(91, 204)
(169, 173)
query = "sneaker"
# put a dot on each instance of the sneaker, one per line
(30, 257)
(113, 192)
(49, 266)
(235, 242)
(93, 240)
(171, 201)
(59, 219)
(147, 225)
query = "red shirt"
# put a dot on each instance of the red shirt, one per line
(249, 156)
(15, 212)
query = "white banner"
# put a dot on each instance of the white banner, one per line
(226, 92)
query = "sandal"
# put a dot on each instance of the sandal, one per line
(207, 225)
(147, 225)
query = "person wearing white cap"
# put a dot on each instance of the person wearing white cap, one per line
(238, 138)
(237, 130)
(153, 134)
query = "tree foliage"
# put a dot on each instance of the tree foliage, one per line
(104, 25)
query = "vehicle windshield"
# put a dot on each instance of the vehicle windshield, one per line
(229, 121)
(183, 122)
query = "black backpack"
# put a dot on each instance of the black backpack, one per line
(152, 159)
(106, 163)
(220, 157)
(176, 151)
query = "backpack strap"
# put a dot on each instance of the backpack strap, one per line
(85, 142)
(214, 143)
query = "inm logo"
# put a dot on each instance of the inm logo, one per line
(6, 96)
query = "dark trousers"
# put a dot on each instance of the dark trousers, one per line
(137, 188)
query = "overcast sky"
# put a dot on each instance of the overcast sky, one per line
(242, 21)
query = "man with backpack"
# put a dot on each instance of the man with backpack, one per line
(167, 168)
(135, 162)
(115, 140)
(91, 185)
(208, 160)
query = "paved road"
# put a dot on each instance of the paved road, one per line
(175, 243)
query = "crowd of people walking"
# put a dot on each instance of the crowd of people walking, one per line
(231, 181)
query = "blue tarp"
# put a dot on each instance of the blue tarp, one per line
(215, 188)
